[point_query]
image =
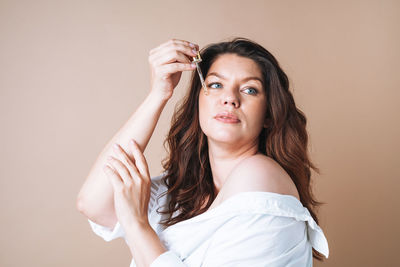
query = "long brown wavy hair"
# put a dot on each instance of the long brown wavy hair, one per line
(188, 175)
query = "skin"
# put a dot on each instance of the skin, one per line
(234, 85)
(128, 170)
(232, 147)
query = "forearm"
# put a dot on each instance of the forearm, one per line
(96, 195)
(140, 125)
(144, 245)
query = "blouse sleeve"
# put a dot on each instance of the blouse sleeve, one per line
(260, 240)
(109, 234)
(106, 233)
(168, 259)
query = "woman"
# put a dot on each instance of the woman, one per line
(236, 187)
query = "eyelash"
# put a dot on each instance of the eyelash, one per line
(211, 84)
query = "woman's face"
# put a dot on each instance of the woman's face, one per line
(234, 110)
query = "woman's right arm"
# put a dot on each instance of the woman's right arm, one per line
(96, 197)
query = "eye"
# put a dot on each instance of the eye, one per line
(250, 91)
(214, 85)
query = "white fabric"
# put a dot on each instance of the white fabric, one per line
(247, 229)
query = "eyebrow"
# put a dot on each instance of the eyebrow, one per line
(244, 80)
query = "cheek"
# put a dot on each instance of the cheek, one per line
(256, 115)
(206, 107)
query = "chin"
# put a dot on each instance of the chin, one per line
(224, 137)
(218, 132)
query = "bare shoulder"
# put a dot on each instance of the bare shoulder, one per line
(259, 173)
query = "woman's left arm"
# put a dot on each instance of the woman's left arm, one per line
(131, 183)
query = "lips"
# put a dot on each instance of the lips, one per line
(227, 117)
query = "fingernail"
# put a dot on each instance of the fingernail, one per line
(192, 45)
(132, 142)
(116, 145)
(193, 65)
(109, 158)
(194, 51)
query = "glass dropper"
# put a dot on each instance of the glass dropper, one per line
(197, 60)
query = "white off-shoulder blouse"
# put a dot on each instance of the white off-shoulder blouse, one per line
(247, 229)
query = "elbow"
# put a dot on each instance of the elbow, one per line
(81, 202)
(80, 206)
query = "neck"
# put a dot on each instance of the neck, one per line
(223, 158)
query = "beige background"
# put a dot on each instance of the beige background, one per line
(72, 72)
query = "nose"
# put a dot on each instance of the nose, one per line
(229, 98)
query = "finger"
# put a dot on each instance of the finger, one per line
(171, 51)
(129, 173)
(122, 154)
(170, 57)
(174, 55)
(179, 41)
(184, 49)
(172, 42)
(176, 67)
(140, 160)
(125, 157)
(114, 177)
(126, 176)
